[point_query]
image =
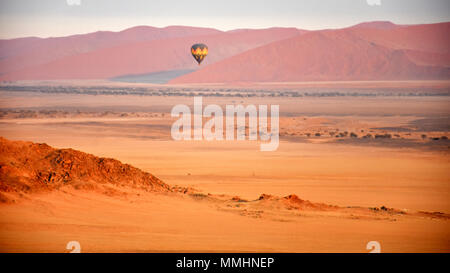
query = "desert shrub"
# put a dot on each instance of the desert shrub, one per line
(317, 134)
(353, 134)
(199, 195)
(383, 136)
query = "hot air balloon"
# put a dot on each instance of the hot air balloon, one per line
(199, 52)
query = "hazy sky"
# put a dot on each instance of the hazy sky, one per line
(44, 18)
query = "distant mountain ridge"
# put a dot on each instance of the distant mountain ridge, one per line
(95, 60)
(28, 52)
(367, 51)
(362, 52)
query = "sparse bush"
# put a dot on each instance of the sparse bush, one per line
(317, 134)
(198, 195)
(353, 135)
(383, 136)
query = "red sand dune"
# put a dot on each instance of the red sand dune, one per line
(367, 51)
(403, 53)
(427, 37)
(122, 57)
(377, 25)
(27, 52)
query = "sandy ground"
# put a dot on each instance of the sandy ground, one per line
(407, 173)
(159, 223)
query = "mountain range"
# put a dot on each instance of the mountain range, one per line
(367, 51)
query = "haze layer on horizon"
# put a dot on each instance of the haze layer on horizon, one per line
(51, 18)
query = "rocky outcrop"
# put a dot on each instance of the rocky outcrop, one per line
(31, 167)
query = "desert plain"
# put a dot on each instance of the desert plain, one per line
(357, 162)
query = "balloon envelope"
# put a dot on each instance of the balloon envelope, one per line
(199, 52)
